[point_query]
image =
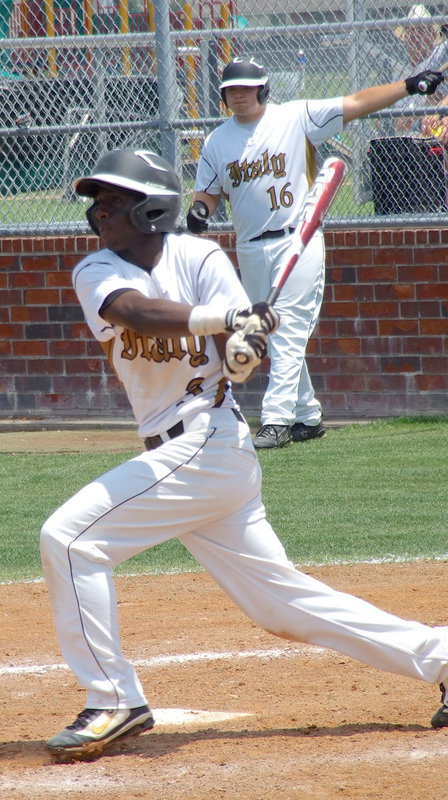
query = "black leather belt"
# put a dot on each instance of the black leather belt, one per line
(273, 234)
(151, 442)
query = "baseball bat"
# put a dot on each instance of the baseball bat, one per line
(317, 202)
(423, 85)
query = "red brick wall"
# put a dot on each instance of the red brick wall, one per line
(380, 348)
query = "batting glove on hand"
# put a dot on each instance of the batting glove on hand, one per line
(424, 83)
(197, 217)
(244, 352)
(259, 316)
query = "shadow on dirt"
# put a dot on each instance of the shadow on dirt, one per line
(154, 745)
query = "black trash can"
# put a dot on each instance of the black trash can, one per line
(409, 175)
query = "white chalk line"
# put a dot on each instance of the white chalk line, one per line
(389, 558)
(184, 658)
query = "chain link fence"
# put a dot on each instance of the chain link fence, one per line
(82, 76)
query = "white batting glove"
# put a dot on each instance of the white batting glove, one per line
(244, 351)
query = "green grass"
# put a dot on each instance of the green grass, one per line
(345, 205)
(365, 492)
(39, 207)
(362, 493)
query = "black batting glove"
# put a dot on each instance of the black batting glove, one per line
(258, 341)
(197, 217)
(269, 318)
(259, 316)
(424, 83)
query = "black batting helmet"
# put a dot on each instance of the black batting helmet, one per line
(245, 72)
(145, 173)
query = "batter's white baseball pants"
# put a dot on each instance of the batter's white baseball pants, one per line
(204, 488)
(289, 397)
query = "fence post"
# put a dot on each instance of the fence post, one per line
(224, 48)
(166, 69)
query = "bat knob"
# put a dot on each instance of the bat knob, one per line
(242, 358)
(422, 86)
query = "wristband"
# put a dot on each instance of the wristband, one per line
(206, 320)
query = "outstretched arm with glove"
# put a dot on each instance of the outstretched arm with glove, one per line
(375, 98)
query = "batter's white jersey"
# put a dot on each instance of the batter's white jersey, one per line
(165, 379)
(266, 167)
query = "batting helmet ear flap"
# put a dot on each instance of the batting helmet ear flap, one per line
(263, 93)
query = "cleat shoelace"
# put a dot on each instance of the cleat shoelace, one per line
(83, 718)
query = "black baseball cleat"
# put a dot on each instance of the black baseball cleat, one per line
(94, 728)
(440, 718)
(303, 433)
(272, 436)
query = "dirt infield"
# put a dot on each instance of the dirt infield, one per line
(69, 440)
(239, 714)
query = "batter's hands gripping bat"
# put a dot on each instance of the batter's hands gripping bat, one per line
(317, 203)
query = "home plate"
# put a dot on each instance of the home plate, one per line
(188, 716)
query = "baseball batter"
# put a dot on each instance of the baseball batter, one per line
(163, 305)
(263, 160)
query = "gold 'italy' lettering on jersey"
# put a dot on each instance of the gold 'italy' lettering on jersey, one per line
(163, 350)
(246, 171)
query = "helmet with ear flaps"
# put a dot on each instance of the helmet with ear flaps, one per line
(245, 72)
(153, 179)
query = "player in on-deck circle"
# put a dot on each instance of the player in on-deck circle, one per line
(163, 305)
(263, 160)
